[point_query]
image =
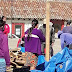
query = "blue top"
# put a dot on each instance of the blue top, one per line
(2, 60)
(66, 38)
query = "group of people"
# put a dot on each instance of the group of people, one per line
(66, 36)
(35, 43)
(33, 40)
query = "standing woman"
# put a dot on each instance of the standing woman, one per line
(4, 50)
(33, 39)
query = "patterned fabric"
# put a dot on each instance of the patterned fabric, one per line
(2, 65)
(31, 59)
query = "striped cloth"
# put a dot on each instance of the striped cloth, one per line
(2, 65)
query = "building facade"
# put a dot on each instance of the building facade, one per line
(19, 26)
(20, 13)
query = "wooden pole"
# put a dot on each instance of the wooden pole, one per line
(47, 30)
(11, 15)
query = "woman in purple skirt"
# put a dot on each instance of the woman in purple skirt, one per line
(33, 39)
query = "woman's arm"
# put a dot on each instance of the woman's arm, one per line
(41, 36)
(6, 50)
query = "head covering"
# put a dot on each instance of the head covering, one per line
(69, 22)
(50, 23)
(34, 22)
(59, 33)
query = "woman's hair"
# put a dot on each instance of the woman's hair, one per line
(34, 24)
(2, 23)
(3, 17)
(59, 33)
(69, 22)
(23, 38)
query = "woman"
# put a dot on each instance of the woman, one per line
(6, 28)
(4, 51)
(33, 39)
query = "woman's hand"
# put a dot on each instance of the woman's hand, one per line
(52, 44)
(7, 68)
